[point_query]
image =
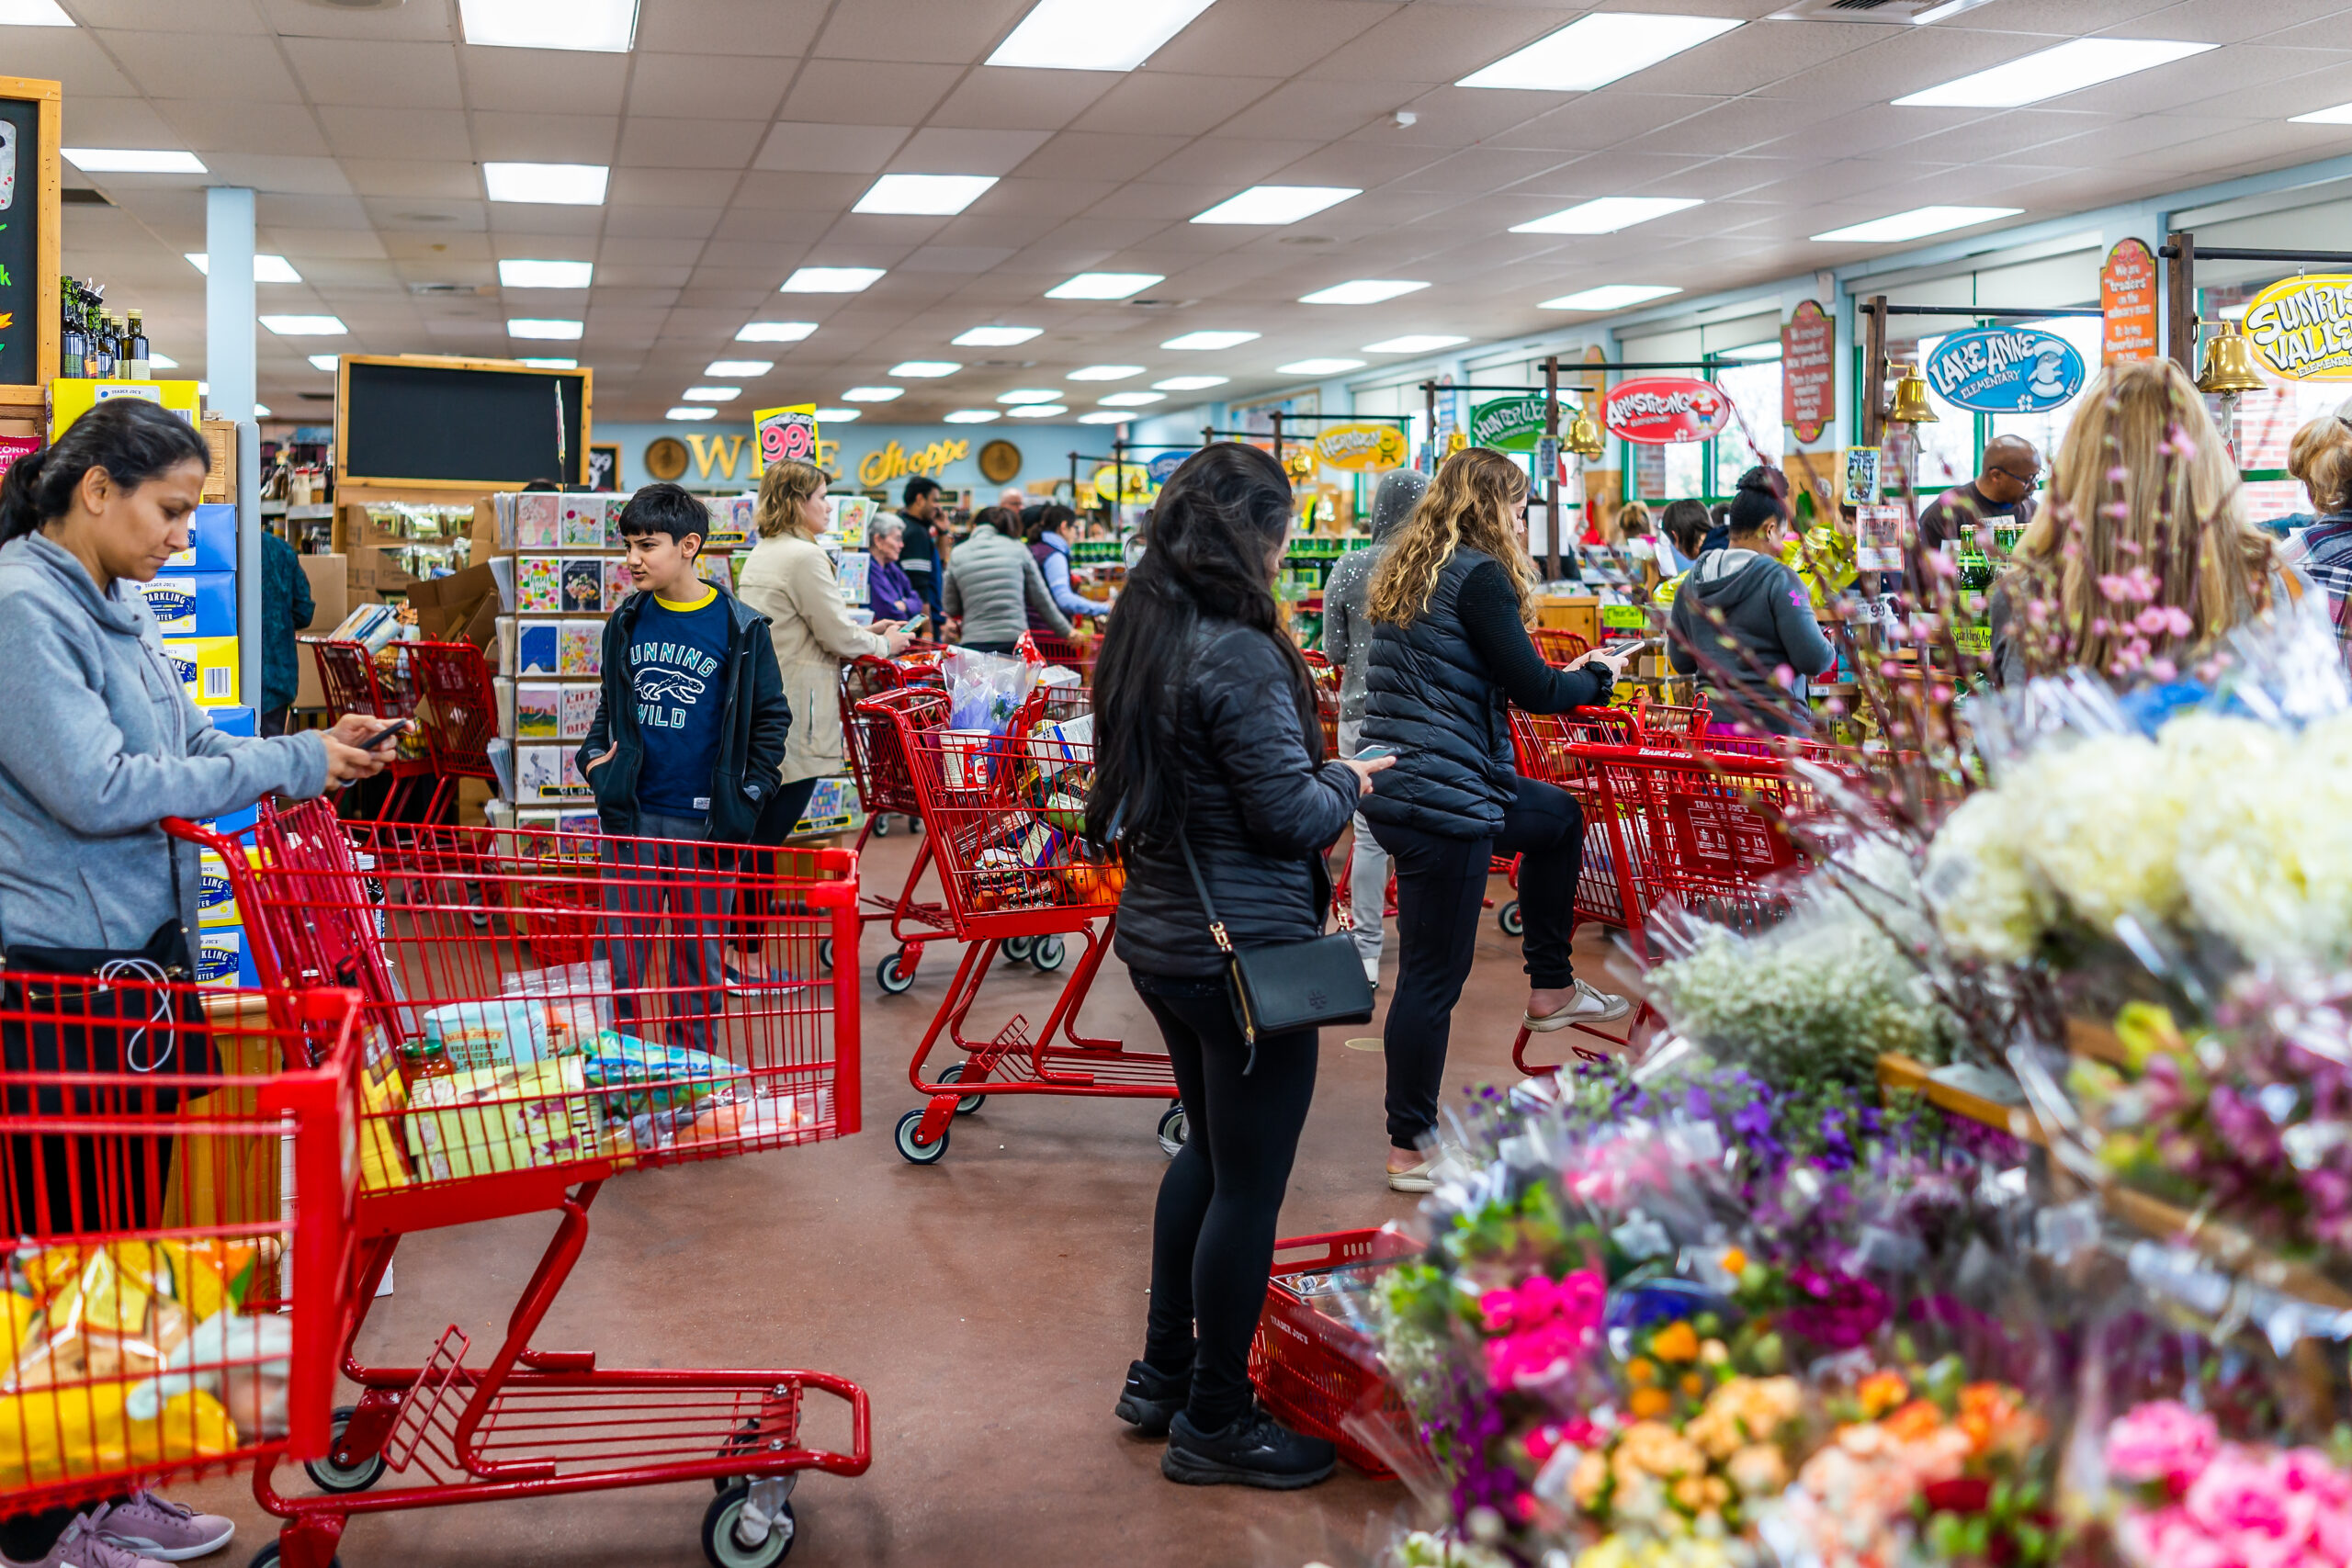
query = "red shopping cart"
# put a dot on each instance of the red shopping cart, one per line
(384, 684)
(1004, 814)
(1071, 652)
(591, 1027)
(1559, 649)
(179, 1185)
(884, 787)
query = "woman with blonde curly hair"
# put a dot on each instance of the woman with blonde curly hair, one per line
(1450, 654)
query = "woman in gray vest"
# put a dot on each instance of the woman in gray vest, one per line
(1450, 654)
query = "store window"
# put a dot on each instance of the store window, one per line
(1756, 435)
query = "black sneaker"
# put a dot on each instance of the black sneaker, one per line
(1151, 1398)
(1255, 1451)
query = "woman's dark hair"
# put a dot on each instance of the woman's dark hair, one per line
(1761, 500)
(132, 439)
(1003, 519)
(1050, 519)
(1686, 523)
(1215, 523)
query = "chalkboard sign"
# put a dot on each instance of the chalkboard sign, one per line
(458, 424)
(28, 237)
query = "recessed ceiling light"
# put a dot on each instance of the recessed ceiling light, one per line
(1317, 366)
(305, 326)
(1087, 35)
(266, 269)
(1609, 296)
(1605, 215)
(1104, 372)
(2340, 115)
(1361, 291)
(1414, 342)
(924, 369)
(1753, 351)
(683, 413)
(1595, 50)
(1030, 395)
(1104, 418)
(1132, 400)
(1276, 204)
(973, 416)
(1104, 285)
(546, 274)
(1037, 411)
(36, 14)
(994, 337)
(739, 367)
(2069, 68)
(831, 280)
(1210, 340)
(711, 394)
(162, 363)
(528, 326)
(1917, 223)
(840, 416)
(775, 332)
(132, 161)
(1190, 383)
(318, 361)
(549, 185)
(550, 364)
(606, 26)
(923, 196)
(872, 394)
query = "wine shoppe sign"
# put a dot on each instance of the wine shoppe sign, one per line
(1665, 411)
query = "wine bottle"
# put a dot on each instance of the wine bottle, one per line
(101, 349)
(137, 352)
(72, 344)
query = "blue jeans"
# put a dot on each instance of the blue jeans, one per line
(673, 883)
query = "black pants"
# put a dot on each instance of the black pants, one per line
(1213, 1233)
(777, 819)
(1441, 887)
(1007, 649)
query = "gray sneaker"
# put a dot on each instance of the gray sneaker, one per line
(81, 1547)
(163, 1530)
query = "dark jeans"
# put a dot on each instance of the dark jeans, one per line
(777, 819)
(273, 720)
(1213, 1233)
(1006, 649)
(672, 893)
(1441, 888)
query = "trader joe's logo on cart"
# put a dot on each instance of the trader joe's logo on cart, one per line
(2303, 327)
(1662, 411)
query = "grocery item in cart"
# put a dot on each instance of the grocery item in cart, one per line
(985, 690)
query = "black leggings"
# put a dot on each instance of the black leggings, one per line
(1441, 888)
(1213, 1233)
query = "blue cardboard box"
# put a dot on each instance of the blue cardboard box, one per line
(212, 541)
(236, 822)
(193, 604)
(235, 721)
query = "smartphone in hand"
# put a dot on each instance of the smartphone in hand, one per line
(1372, 753)
(385, 734)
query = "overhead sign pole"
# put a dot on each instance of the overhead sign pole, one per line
(1547, 452)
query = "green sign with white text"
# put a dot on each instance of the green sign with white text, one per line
(1507, 424)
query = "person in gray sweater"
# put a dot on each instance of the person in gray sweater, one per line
(1347, 643)
(990, 578)
(1743, 622)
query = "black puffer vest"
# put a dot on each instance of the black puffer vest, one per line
(1428, 696)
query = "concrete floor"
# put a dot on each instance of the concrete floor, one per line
(990, 1305)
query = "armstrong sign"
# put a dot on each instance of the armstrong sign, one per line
(1665, 411)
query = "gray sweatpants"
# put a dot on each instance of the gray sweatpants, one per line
(1367, 864)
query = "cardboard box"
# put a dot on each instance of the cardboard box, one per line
(330, 602)
(224, 958)
(193, 604)
(221, 484)
(213, 542)
(461, 607)
(206, 667)
(215, 905)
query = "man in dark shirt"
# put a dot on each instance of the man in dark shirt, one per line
(2003, 491)
(286, 608)
(921, 560)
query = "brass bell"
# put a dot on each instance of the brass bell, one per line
(1584, 436)
(2228, 361)
(1911, 406)
(1456, 441)
(1300, 464)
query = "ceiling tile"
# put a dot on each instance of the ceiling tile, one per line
(733, 27)
(803, 147)
(293, 176)
(1322, 109)
(544, 138)
(707, 86)
(547, 81)
(307, 18)
(375, 73)
(1098, 155)
(689, 143)
(1002, 98)
(1229, 162)
(364, 132)
(668, 233)
(309, 246)
(849, 92)
(206, 15)
(387, 176)
(393, 214)
(515, 218)
(955, 151)
(1162, 103)
(1430, 43)
(1018, 197)
(1280, 35)
(892, 31)
(225, 67)
(113, 122)
(966, 259)
(670, 188)
(70, 58)
(215, 125)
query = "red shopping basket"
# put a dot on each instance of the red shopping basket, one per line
(179, 1185)
(1316, 1371)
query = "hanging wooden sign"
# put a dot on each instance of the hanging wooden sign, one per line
(2127, 295)
(1808, 371)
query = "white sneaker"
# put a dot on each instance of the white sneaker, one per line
(1371, 968)
(1585, 1006)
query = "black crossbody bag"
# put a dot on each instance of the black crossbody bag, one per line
(1287, 984)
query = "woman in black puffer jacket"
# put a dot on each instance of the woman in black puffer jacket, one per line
(1205, 727)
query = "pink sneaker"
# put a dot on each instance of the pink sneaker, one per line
(80, 1547)
(164, 1531)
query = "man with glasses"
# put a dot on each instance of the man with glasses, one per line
(2001, 492)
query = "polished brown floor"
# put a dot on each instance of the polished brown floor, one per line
(990, 1304)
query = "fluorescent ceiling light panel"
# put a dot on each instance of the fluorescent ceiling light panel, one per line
(1917, 223)
(549, 185)
(775, 332)
(1104, 372)
(1030, 395)
(1606, 215)
(1317, 366)
(528, 326)
(2069, 68)
(1753, 351)
(1190, 383)
(162, 363)
(1104, 285)
(1361, 291)
(872, 394)
(266, 269)
(994, 337)
(1094, 35)
(550, 364)
(925, 369)
(34, 14)
(1276, 204)
(739, 367)
(923, 196)
(261, 410)
(308, 326)
(973, 416)
(1104, 418)
(1609, 296)
(2340, 115)
(1037, 411)
(690, 413)
(132, 161)
(605, 27)
(711, 394)
(1132, 400)
(832, 279)
(318, 361)
(546, 274)
(840, 416)
(1595, 50)
(1414, 342)
(1210, 340)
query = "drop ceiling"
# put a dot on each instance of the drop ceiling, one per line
(740, 132)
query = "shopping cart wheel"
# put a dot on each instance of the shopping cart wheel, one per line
(726, 1549)
(357, 1475)
(969, 1102)
(1173, 1130)
(913, 1151)
(267, 1556)
(1018, 948)
(1510, 920)
(825, 953)
(893, 975)
(881, 824)
(1047, 954)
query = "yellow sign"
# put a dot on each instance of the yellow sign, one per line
(786, 435)
(895, 462)
(1131, 481)
(722, 453)
(2303, 327)
(1362, 448)
(72, 397)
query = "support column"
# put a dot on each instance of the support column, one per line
(229, 373)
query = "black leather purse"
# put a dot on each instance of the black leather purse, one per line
(1287, 984)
